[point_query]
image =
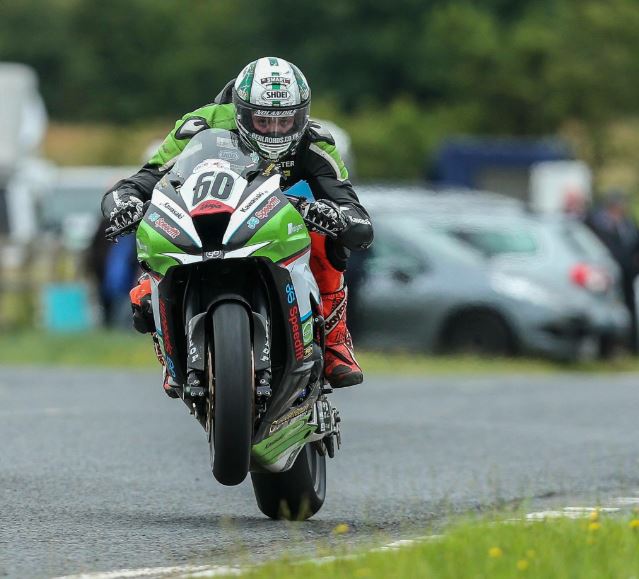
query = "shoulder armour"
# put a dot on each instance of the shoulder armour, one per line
(317, 132)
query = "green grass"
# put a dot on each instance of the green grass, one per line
(553, 549)
(130, 350)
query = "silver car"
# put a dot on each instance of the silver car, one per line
(427, 291)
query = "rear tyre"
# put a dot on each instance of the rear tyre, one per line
(231, 430)
(481, 333)
(297, 493)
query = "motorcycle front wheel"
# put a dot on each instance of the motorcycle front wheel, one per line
(297, 493)
(231, 392)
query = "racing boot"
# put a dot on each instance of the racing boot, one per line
(140, 297)
(340, 366)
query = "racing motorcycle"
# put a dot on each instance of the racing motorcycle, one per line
(238, 322)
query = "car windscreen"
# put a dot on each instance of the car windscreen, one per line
(434, 243)
(496, 241)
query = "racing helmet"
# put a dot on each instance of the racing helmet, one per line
(272, 102)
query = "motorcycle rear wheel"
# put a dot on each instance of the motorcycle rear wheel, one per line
(297, 493)
(231, 427)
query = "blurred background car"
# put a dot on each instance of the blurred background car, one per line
(503, 281)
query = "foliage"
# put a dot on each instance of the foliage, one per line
(592, 548)
(399, 74)
(131, 350)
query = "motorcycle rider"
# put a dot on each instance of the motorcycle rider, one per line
(268, 106)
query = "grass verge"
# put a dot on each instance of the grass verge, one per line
(590, 548)
(130, 350)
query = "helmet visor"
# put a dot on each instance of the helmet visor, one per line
(274, 124)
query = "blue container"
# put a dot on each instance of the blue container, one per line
(66, 307)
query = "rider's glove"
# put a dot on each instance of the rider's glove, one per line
(324, 217)
(127, 211)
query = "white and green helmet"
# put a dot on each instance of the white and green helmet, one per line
(272, 102)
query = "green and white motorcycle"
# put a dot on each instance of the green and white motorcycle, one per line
(237, 318)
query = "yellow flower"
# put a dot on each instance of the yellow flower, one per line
(341, 529)
(634, 523)
(495, 552)
(594, 516)
(531, 553)
(594, 526)
(522, 564)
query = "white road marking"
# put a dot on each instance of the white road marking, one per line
(182, 571)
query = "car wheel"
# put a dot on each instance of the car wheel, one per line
(480, 333)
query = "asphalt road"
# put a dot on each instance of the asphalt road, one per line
(101, 471)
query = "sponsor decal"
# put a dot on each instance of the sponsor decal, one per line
(210, 206)
(276, 94)
(290, 417)
(214, 254)
(281, 113)
(191, 127)
(293, 320)
(266, 351)
(229, 155)
(307, 330)
(161, 224)
(252, 223)
(268, 207)
(273, 140)
(154, 217)
(253, 200)
(290, 293)
(170, 366)
(294, 228)
(212, 164)
(172, 210)
(287, 164)
(164, 324)
(226, 142)
(358, 220)
(308, 351)
(275, 80)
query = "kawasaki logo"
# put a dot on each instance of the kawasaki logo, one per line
(276, 94)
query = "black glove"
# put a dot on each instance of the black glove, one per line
(324, 217)
(127, 211)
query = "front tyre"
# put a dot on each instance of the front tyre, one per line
(232, 392)
(297, 493)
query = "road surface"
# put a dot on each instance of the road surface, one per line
(101, 471)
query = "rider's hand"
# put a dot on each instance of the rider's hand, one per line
(128, 210)
(324, 217)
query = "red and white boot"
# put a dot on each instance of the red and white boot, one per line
(340, 366)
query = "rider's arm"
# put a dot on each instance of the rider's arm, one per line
(328, 179)
(142, 183)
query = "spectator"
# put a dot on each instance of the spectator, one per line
(114, 268)
(613, 223)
